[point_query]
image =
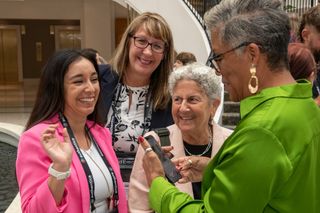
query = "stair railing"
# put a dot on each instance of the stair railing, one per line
(198, 9)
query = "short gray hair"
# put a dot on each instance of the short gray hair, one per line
(203, 75)
(258, 21)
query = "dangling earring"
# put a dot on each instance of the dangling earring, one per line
(253, 89)
(210, 120)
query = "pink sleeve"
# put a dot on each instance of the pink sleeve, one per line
(32, 174)
(138, 199)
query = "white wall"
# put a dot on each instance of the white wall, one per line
(97, 26)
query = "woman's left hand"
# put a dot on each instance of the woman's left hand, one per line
(60, 152)
(191, 168)
(151, 163)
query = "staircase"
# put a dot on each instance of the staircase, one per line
(231, 112)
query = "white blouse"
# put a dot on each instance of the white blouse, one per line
(102, 178)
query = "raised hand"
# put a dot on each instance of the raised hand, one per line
(191, 168)
(60, 152)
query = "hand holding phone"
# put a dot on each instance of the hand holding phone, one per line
(172, 174)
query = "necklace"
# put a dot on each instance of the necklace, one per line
(204, 152)
(88, 153)
(206, 149)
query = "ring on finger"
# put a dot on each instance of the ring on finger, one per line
(190, 162)
(149, 149)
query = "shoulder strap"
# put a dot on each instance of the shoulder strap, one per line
(163, 134)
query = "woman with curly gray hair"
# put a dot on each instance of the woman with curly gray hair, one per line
(195, 91)
(270, 163)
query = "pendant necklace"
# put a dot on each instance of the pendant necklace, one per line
(206, 149)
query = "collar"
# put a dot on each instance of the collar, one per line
(300, 90)
(55, 119)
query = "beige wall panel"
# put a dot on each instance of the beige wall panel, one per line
(41, 9)
(97, 26)
(96, 17)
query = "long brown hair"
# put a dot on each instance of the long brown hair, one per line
(50, 94)
(157, 27)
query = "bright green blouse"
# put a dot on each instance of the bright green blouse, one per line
(271, 162)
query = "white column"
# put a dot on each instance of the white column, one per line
(97, 26)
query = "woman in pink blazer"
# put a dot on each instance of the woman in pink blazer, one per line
(65, 160)
(195, 91)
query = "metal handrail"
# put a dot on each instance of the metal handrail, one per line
(198, 8)
(299, 6)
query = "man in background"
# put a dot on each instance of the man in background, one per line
(309, 33)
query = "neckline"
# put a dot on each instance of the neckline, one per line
(197, 148)
(91, 148)
(145, 87)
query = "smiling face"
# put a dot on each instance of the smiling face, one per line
(191, 108)
(81, 89)
(233, 68)
(142, 61)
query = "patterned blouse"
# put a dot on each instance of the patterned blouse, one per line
(128, 121)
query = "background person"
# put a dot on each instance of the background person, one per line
(65, 160)
(270, 163)
(184, 58)
(301, 62)
(195, 92)
(135, 84)
(309, 34)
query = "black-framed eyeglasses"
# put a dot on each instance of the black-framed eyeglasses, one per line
(142, 43)
(214, 57)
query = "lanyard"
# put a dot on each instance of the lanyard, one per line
(114, 120)
(85, 166)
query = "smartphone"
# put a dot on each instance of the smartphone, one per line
(170, 170)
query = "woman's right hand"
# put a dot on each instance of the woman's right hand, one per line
(60, 152)
(191, 168)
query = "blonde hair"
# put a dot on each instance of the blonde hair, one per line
(157, 27)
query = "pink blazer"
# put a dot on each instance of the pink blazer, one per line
(32, 173)
(138, 187)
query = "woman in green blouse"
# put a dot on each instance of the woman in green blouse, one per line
(271, 162)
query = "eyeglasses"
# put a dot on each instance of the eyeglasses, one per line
(142, 43)
(214, 57)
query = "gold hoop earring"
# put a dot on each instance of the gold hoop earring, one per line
(253, 89)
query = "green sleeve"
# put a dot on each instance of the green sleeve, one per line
(165, 197)
(243, 177)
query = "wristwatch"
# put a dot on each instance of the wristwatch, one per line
(58, 175)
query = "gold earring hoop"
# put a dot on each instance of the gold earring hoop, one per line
(253, 89)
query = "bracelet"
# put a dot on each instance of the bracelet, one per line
(58, 175)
